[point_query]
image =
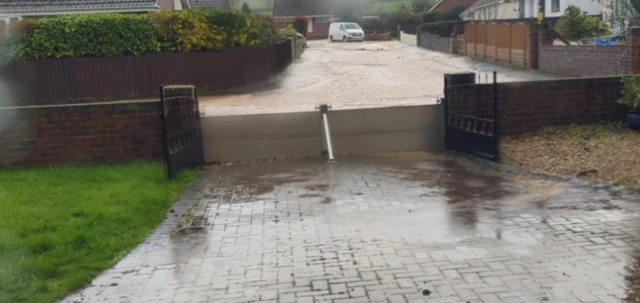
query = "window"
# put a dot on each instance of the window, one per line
(555, 6)
(495, 12)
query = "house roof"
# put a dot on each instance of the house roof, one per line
(292, 8)
(445, 5)
(210, 3)
(75, 5)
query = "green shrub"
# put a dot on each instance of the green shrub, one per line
(186, 31)
(449, 15)
(443, 29)
(406, 21)
(631, 92)
(372, 26)
(289, 33)
(87, 35)
(576, 25)
(124, 34)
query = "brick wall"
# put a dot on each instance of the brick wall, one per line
(531, 106)
(436, 43)
(80, 134)
(320, 31)
(585, 60)
(378, 37)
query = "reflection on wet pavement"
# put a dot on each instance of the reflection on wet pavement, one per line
(400, 227)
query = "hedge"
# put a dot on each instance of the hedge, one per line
(87, 35)
(443, 29)
(126, 34)
(448, 15)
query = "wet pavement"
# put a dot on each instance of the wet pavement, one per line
(357, 75)
(409, 227)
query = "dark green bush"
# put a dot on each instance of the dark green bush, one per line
(372, 26)
(125, 34)
(449, 15)
(443, 29)
(87, 35)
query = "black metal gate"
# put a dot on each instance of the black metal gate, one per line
(181, 133)
(471, 116)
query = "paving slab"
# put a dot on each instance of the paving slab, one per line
(407, 227)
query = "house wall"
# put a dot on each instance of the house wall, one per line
(492, 12)
(80, 134)
(591, 7)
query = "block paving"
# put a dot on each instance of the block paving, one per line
(384, 228)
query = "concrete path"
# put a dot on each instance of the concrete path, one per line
(384, 228)
(356, 75)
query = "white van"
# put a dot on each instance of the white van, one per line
(345, 31)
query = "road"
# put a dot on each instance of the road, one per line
(356, 75)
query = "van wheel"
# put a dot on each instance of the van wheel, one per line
(331, 39)
(344, 38)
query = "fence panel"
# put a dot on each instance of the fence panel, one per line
(519, 44)
(480, 39)
(490, 41)
(503, 42)
(470, 38)
(98, 79)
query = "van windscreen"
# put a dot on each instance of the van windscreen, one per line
(352, 26)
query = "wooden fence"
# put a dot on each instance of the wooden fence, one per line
(514, 43)
(97, 79)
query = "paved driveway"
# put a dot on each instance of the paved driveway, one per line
(384, 228)
(356, 75)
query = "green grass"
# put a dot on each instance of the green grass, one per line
(391, 6)
(62, 226)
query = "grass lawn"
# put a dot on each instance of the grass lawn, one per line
(391, 6)
(61, 227)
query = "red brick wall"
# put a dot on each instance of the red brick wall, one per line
(81, 134)
(320, 31)
(378, 37)
(585, 60)
(531, 106)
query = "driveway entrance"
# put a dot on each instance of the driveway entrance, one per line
(357, 75)
(384, 228)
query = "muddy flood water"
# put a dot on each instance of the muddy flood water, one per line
(384, 228)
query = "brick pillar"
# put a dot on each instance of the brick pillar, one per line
(633, 42)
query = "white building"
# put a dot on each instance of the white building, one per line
(491, 10)
(556, 8)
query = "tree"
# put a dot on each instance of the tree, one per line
(349, 11)
(635, 4)
(419, 7)
(576, 25)
(245, 8)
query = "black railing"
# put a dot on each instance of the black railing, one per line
(471, 116)
(181, 128)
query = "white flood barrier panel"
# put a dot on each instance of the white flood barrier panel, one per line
(297, 135)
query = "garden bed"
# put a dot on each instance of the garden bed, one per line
(606, 152)
(60, 227)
